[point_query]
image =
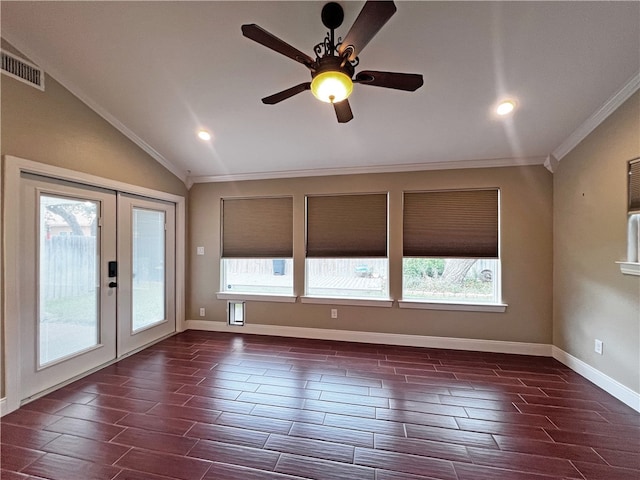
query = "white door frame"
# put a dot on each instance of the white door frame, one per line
(13, 168)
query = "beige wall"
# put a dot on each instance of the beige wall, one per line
(526, 243)
(592, 299)
(56, 128)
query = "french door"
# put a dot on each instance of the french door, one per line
(96, 278)
(146, 276)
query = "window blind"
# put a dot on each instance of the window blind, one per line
(257, 227)
(634, 186)
(347, 225)
(456, 224)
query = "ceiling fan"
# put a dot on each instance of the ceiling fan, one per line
(332, 71)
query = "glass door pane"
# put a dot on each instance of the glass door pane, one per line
(69, 269)
(148, 292)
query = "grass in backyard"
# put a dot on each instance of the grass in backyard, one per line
(148, 306)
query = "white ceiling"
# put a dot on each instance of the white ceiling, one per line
(159, 71)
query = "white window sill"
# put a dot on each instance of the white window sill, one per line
(374, 302)
(465, 307)
(629, 268)
(358, 302)
(258, 297)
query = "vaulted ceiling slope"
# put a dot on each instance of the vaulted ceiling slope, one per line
(160, 71)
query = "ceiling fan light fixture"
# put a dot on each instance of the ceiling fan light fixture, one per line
(331, 86)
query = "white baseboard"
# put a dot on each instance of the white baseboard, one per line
(496, 346)
(608, 384)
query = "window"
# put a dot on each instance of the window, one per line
(257, 246)
(347, 246)
(633, 225)
(450, 246)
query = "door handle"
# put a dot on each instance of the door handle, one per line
(113, 284)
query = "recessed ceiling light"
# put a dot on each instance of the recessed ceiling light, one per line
(506, 107)
(204, 135)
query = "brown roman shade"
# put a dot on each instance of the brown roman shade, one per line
(347, 226)
(257, 227)
(634, 186)
(456, 224)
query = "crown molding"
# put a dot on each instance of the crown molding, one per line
(551, 163)
(597, 117)
(49, 69)
(407, 167)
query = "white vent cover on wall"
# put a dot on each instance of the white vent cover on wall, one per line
(21, 70)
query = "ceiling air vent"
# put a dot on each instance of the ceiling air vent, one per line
(21, 70)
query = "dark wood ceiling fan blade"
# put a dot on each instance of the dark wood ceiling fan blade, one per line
(343, 111)
(260, 35)
(400, 81)
(289, 92)
(371, 19)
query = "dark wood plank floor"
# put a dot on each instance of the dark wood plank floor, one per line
(219, 406)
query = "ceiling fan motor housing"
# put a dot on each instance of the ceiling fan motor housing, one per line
(333, 64)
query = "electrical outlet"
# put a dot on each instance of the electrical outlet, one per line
(598, 346)
(202, 311)
(334, 313)
(200, 250)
